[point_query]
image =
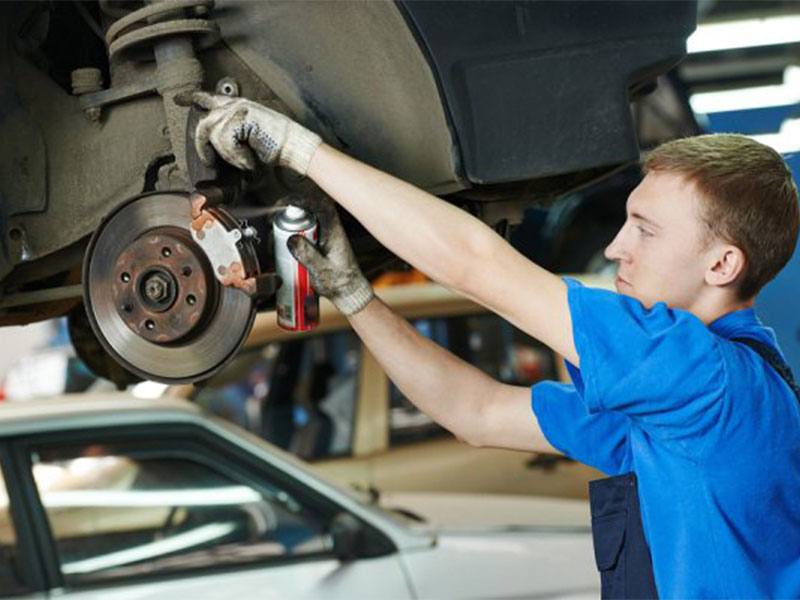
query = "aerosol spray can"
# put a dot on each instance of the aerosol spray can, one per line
(296, 301)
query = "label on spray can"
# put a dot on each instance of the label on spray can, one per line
(296, 301)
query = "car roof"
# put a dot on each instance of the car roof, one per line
(72, 411)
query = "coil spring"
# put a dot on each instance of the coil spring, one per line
(158, 20)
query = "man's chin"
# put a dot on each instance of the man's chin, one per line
(626, 289)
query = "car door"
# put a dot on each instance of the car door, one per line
(176, 512)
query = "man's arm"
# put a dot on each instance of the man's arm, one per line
(442, 241)
(473, 406)
(450, 246)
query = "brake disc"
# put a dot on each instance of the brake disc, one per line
(152, 297)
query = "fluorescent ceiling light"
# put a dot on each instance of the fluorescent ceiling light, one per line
(744, 34)
(785, 94)
(786, 141)
(223, 496)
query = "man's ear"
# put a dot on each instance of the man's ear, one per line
(728, 265)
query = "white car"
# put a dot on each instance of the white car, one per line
(110, 497)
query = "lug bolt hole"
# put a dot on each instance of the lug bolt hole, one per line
(191, 300)
(186, 271)
(149, 325)
(126, 277)
(127, 308)
(166, 252)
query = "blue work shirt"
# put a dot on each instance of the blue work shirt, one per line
(711, 431)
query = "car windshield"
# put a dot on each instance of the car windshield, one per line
(368, 498)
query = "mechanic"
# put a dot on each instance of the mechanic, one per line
(679, 392)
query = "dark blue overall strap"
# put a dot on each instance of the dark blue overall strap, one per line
(773, 359)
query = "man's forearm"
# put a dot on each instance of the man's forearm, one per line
(440, 384)
(455, 394)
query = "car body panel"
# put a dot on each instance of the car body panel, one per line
(74, 198)
(526, 567)
(356, 70)
(546, 92)
(467, 513)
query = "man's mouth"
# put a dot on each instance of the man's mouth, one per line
(619, 282)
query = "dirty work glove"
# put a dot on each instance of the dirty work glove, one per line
(236, 128)
(331, 264)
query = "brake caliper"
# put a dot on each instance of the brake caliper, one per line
(227, 243)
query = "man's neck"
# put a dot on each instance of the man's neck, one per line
(710, 309)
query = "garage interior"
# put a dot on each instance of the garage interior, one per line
(316, 405)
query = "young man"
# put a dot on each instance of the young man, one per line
(700, 432)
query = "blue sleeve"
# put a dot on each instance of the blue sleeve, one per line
(599, 440)
(661, 367)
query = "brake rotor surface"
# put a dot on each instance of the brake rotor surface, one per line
(152, 298)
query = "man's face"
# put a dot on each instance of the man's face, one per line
(661, 249)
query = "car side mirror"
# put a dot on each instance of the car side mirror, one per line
(347, 534)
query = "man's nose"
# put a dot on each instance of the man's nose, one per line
(614, 251)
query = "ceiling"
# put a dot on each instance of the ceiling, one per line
(742, 67)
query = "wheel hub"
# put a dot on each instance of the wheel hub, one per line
(161, 285)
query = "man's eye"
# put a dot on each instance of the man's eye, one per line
(643, 231)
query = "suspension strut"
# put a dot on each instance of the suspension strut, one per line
(169, 31)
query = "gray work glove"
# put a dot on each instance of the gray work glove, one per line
(236, 127)
(331, 264)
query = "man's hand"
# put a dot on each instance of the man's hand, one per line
(332, 266)
(236, 128)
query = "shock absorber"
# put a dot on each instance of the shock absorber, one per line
(172, 29)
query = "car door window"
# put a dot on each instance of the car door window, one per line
(120, 514)
(484, 340)
(11, 581)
